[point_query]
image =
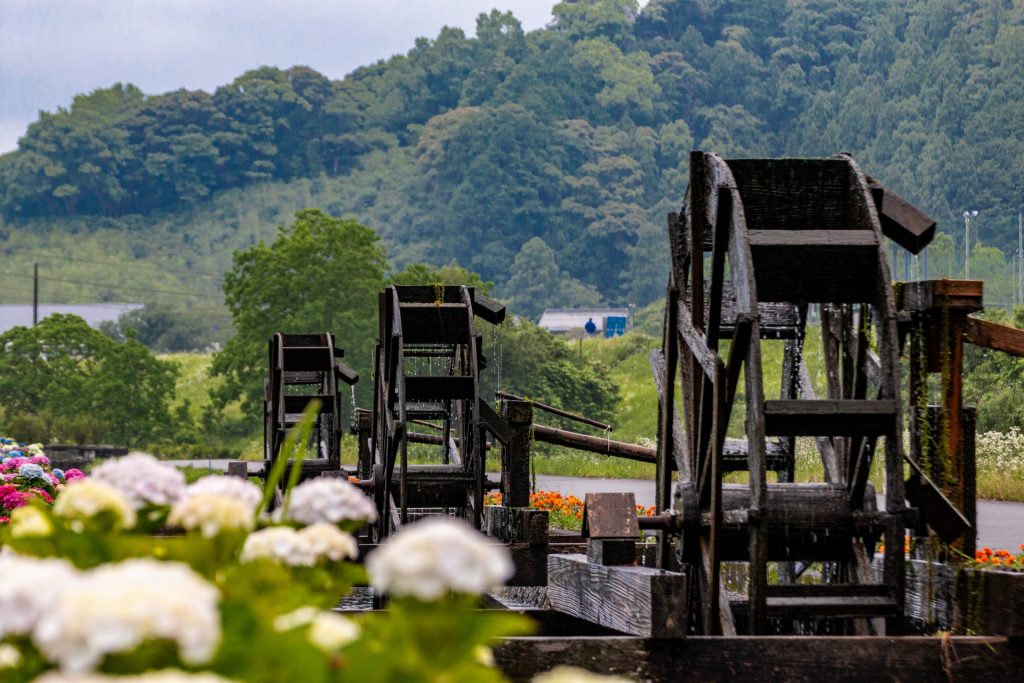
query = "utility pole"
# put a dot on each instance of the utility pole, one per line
(35, 294)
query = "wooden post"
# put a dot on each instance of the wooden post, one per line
(515, 457)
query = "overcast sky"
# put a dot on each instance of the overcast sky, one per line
(51, 50)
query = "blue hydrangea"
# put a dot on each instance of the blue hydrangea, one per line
(59, 473)
(31, 471)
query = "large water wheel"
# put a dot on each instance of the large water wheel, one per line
(757, 242)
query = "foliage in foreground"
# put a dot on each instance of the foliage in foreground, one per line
(90, 587)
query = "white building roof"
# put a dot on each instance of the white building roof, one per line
(565, 319)
(13, 315)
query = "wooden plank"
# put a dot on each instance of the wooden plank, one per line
(901, 221)
(994, 336)
(307, 358)
(486, 308)
(807, 659)
(635, 600)
(496, 424)
(830, 417)
(705, 358)
(515, 454)
(678, 440)
(792, 194)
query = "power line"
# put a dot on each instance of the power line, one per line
(108, 285)
(46, 257)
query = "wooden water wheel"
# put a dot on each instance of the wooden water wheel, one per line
(759, 241)
(304, 368)
(427, 366)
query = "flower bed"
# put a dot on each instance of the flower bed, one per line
(564, 512)
(26, 476)
(89, 591)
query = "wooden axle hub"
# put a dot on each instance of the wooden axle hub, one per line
(808, 522)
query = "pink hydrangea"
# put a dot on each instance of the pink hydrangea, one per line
(4, 519)
(15, 499)
(74, 474)
(42, 494)
(39, 460)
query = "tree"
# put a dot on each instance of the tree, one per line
(65, 373)
(451, 274)
(538, 283)
(321, 274)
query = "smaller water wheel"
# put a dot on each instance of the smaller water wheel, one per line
(427, 404)
(304, 368)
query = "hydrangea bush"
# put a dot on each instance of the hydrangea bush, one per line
(224, 592)
(26, 476)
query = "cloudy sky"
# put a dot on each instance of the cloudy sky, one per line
(51, 50)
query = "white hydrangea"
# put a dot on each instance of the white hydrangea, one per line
(329, 500)
(435, 556)
(330, 631)
(211, 514)
(142, 479)
(84, 499)
(572, 674)
(304, 548)
(165, 676)
(116, 607)
(327, 540)
(234, 487)
(28, 586)
(29, 521)
(10, 657)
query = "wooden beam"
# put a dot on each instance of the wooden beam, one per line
(840, 417)
(635, 600)
(994, 336)
(806, 659)
(594, 444)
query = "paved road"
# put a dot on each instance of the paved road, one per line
(1000, 525)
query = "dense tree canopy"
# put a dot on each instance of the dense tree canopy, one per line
(468, 147)
(63, 380)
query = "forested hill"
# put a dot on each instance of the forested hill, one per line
(546, 161)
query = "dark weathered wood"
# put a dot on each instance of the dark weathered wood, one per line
(438, 387)
(594, 444)
(810, 659)
(609, 515)
(238, 468)
(486, 308)
(792, 194)
(827, 417)
(669, 430)
(515, 453)
(928, 295)
(901, 221)
(634, 600)
(611, 551)
(994, 336)
(835, 266)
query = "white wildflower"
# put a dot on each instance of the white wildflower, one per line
(211, 514)
(330, 631)
(29, 521)
(142, 479)
(329, 500)
(84, 499)
(303, 548)
(116, 607)
(436, 556)
(234, 487)
(572, 674)
(165, 676)
(28, 586)
(326, 540)
(9, 656)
